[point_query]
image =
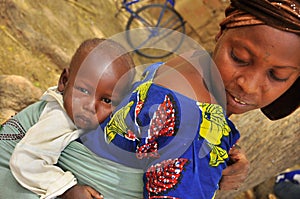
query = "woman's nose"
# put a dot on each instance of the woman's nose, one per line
(251, 83)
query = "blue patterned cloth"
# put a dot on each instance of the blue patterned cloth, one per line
(292, 176)
(181, 144)
(287, 185)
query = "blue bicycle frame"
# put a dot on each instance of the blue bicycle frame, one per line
(128, 9)
(127, 4)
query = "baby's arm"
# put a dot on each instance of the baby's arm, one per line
(32, 162)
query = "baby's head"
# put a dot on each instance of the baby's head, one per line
(100, 74)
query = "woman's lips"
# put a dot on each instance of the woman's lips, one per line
(236, 101)
(237, 105)
(239, 101)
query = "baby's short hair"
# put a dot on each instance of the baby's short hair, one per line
(90, 44)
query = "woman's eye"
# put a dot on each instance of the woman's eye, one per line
(276, 78)
(106, 100)
(237, 59)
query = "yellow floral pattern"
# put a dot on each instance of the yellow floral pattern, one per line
(212, 129)
(143, 90)
(117, 123)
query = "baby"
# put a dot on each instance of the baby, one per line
(100, 73)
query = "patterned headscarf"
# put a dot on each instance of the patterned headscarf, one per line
(280, 14)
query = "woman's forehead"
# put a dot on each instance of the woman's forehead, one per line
(266, 35)
(265, 42)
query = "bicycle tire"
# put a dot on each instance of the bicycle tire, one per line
(171, 23)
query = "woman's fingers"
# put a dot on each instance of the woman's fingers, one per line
(237, 172)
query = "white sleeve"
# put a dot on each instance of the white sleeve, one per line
(32, 162)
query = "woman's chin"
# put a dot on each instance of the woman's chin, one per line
(235, 107)
(237, 110)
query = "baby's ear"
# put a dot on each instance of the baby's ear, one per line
(63, 79)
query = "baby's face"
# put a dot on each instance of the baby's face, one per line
(91, 96)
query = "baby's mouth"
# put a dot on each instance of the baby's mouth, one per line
(81, 119)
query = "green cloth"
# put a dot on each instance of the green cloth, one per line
(9, 137)
(111, 179)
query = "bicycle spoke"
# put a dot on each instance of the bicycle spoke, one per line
(169, 25)
(161, 16)
(144, 43)
(161, 36)
(143, 21)
(155, 39)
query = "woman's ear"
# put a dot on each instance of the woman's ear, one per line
(218, 35)
(221, 32)
(63, 79)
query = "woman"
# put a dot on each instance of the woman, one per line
(258, 70)
(255, 75)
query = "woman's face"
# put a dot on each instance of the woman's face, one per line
(257, 64)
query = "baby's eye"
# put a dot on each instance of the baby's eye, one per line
(106, 100)
(83, 90)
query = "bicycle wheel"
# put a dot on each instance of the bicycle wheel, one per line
(155, 32)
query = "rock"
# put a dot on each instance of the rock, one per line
(5, 114)
(16, 92)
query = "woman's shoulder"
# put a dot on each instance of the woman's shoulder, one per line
(184, 76)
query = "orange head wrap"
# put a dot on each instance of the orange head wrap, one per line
(280, 14)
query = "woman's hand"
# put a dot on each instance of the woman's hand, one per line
(81, 192)
(236, 173)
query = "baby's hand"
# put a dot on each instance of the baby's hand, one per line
(81, 192)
